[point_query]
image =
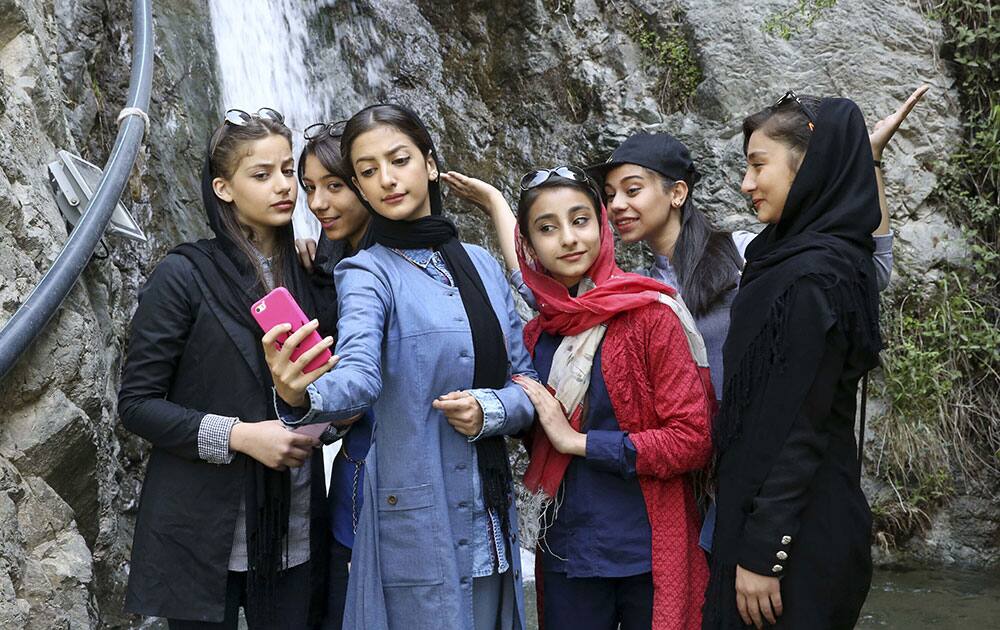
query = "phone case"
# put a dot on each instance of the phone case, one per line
(279, 307)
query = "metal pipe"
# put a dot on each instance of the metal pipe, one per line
(42, 303)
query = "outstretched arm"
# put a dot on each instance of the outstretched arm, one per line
(880, 136)
(487, 198)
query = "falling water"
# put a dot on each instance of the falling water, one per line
(261, 49)
(275, 53)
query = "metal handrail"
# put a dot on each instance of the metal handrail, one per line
(34, 314)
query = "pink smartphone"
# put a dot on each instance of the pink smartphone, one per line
(279, 307)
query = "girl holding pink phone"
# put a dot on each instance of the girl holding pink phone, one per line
(430, 340)
(232, 512)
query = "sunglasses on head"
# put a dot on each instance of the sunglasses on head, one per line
(241, 118)
(791, 96)
(333, 129)
(538, 177)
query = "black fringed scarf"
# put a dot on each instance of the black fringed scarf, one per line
(235, 287)
(825, 235)
(825, 231)
(490, 350)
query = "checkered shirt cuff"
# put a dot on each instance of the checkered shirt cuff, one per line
(213, 439)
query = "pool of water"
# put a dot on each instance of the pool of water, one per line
(933, 598)
(912, 599)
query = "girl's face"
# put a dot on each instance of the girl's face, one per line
(771, 168)
(337, 208)
(262, 189)
(564, 233)
(639, 206)
(392, 173)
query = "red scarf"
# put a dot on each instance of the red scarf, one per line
(616, 291)
(562, 314)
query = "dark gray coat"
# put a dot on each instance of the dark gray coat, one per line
(185, 359)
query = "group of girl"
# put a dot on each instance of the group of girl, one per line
(625, 393)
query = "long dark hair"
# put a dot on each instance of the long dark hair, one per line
(705, 258)
(390, 115)
(228, 146)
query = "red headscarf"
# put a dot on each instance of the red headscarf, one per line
(562, 314)
(615, 292)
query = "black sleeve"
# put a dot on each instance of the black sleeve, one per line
(814, 360)
(159, 332)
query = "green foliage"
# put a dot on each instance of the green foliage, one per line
(793, 20)
(942, 357)
(972, 180)
(935, 345)
(670, 53)
(941, 384)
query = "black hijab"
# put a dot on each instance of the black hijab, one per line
(824, 232)
(490, 350)
(328, 256)
(235, 286)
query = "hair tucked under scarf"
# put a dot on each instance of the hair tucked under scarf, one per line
(825, 232)
(236, 284)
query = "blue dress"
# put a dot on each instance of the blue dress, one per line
(404, 339)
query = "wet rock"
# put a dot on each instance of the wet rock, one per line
(504, 86)
(966, 533)
(67, 486)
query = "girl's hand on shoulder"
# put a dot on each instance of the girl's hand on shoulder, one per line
(306, 249)
(270, 443)
(462, 411)
(477, 192)
(289, 379)
(884, 129)
(551, 416)
(758, 597)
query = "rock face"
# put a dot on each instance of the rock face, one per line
(510, 86)
(504, 87)
(68, 475)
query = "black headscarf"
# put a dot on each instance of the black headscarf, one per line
(235, 286)
(825, 232)
(438, 231)
(328, 255)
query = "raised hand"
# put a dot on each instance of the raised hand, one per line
(477, 192)
(884, 129)
(491, 201)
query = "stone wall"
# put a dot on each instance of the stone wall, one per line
(507, 86)
(69, 478)
(504, 86)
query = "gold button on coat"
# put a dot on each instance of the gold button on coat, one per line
(391, 500)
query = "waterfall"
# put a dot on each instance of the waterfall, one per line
(261, 50)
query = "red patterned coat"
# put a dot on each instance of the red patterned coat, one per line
(662, 401)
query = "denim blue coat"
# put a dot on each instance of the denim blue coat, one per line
(404, 339)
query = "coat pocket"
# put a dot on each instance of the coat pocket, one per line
(408, 552)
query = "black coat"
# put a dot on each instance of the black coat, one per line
(185, 359)
(803, 517)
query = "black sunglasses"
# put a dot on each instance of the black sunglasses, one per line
(538, 177)
(241, 118)
(791, 96)
(333, 129)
